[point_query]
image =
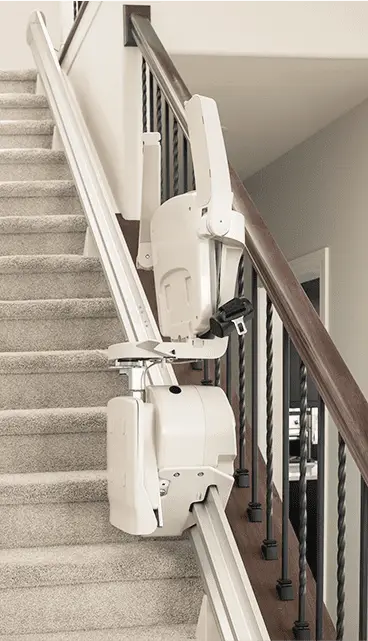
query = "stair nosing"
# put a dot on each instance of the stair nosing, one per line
(19, 189)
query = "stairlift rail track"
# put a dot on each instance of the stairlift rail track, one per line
(229, 611)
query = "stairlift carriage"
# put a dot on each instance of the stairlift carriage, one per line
(166, 445)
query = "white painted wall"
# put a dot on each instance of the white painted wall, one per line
(106, 77)
(14, 51)
(317, 196)
(297, 29)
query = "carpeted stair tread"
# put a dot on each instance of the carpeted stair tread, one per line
(53, 361)
(28, 156)
(18, 74)
(48, 263)
(63, 565)
(113, 604)
(53, 487)
(24, 127)
(156, 633)
(23, 100)
(42, 224)
(56, 420)
(57, 309)
(37, 189)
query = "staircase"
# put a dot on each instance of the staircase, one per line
(65, 572)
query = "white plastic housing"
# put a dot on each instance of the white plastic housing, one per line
(184, 269)
(133, 486)
(180, 442)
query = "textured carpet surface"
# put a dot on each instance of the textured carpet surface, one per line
(66, 574)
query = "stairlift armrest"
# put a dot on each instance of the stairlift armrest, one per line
(213, 186)
(151, 196)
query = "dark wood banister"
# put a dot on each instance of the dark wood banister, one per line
(338, 388)
(72, 31)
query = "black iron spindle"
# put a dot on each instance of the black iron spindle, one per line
(228, 371)
(166, 152)
(206, 374)
(284, 585)
(144, 95)
(301, 626)
(151, 100)
(242, 474)
(159, 129)
(363, 574)
(269, 545)
(254, 510)
(341, 529)
(320, 519)
(175, 157)
(185, 166)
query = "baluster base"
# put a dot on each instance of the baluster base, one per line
(197, 366)
(241, 477)
(269, 550)
(254, 512)
(301, 631)
(284, 589)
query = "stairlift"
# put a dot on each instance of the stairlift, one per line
(167, 445)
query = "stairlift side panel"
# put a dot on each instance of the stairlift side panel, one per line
(184, 268)
(130, 468)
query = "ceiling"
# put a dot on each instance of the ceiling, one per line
(269, 105)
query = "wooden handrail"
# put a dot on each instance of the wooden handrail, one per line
(338, 388)
(72, 31)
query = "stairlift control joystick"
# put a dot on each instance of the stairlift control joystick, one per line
(168, 445)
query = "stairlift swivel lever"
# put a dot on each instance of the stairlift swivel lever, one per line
(166, 446)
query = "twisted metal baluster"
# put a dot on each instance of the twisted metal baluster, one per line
(159, 129)
(241, 474)
(363, 574)
(228, 371)
(166, 153)
(151, 98)
(176, 157)
(144, 95)
(284, 585)
(269, 545)
(301, 626)
(341, 528)
(254, 510)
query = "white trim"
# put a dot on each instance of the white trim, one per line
(84, 26)
(316, 265)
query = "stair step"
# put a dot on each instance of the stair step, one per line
(20, 134)
(33, 164)
(55, 420)
(52, 452)
(57, 379)
(57, 276)
(157, 579)
(71, 565)
(113, 605)
(156, 633)
(38, 198)
(23, 106)
(66, 324)
(18, 81)
(52, 440)
(56, 508)
(23, 235)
